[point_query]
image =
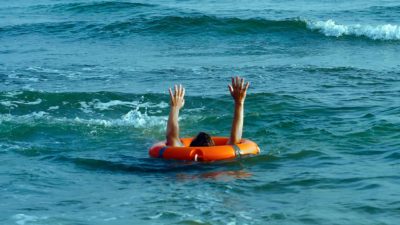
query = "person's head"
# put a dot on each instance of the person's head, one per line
(202, 139)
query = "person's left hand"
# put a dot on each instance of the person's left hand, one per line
(177, 98)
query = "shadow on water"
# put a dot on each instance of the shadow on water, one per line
(216, 175)
(236, 168)
(149, 165)
(183, 170)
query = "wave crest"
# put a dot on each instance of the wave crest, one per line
(187, 24)
(100, 6)
(133, 118)
(379, 32)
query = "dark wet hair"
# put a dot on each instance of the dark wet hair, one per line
(202, 139)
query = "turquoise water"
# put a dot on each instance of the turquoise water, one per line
(83, 95)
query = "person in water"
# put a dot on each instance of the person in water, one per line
(238, 91)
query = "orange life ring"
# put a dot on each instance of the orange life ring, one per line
(220, 151)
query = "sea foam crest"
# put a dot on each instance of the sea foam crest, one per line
(379, 32)
(139, 120)
(133, 118)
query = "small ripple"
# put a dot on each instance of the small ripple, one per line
(139, 165)
(394, 156)
(292, 185)
(102, 6)
(368, 209)
(369, 186)
(303, 154)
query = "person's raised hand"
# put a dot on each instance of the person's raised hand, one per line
(177, 97)
(238, 89)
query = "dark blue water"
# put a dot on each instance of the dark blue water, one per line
(83, 95)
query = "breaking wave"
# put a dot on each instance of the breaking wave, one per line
(378, 32)
(187, 24)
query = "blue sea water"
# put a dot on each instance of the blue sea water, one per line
(83, 95)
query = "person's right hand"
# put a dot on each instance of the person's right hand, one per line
(238, 89)
(177, 98)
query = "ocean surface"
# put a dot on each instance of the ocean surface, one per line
(83, 95)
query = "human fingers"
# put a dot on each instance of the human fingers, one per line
(247, 86)
(241, 83)
(237, 82)
(230, 89)
(176, 90)
(183, 92)
(233, 82)
(170, 94)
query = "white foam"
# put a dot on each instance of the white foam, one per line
(53, 108)
(141, 120)
(156, 216)
(106, 105)
(4, 147)
(14, 75)
(161, 105)
(110, 219)
(8, 104)
(12, 93)
(73, 75)
(202, 108)
(85, 107)
(22, 219)
(88, 107)
(42, 69)
(133, 118)
(16, 103)
(36, 102)
(378, 32)
(28, 118)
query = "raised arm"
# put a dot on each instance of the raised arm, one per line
(238, 91)
(177, 101)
